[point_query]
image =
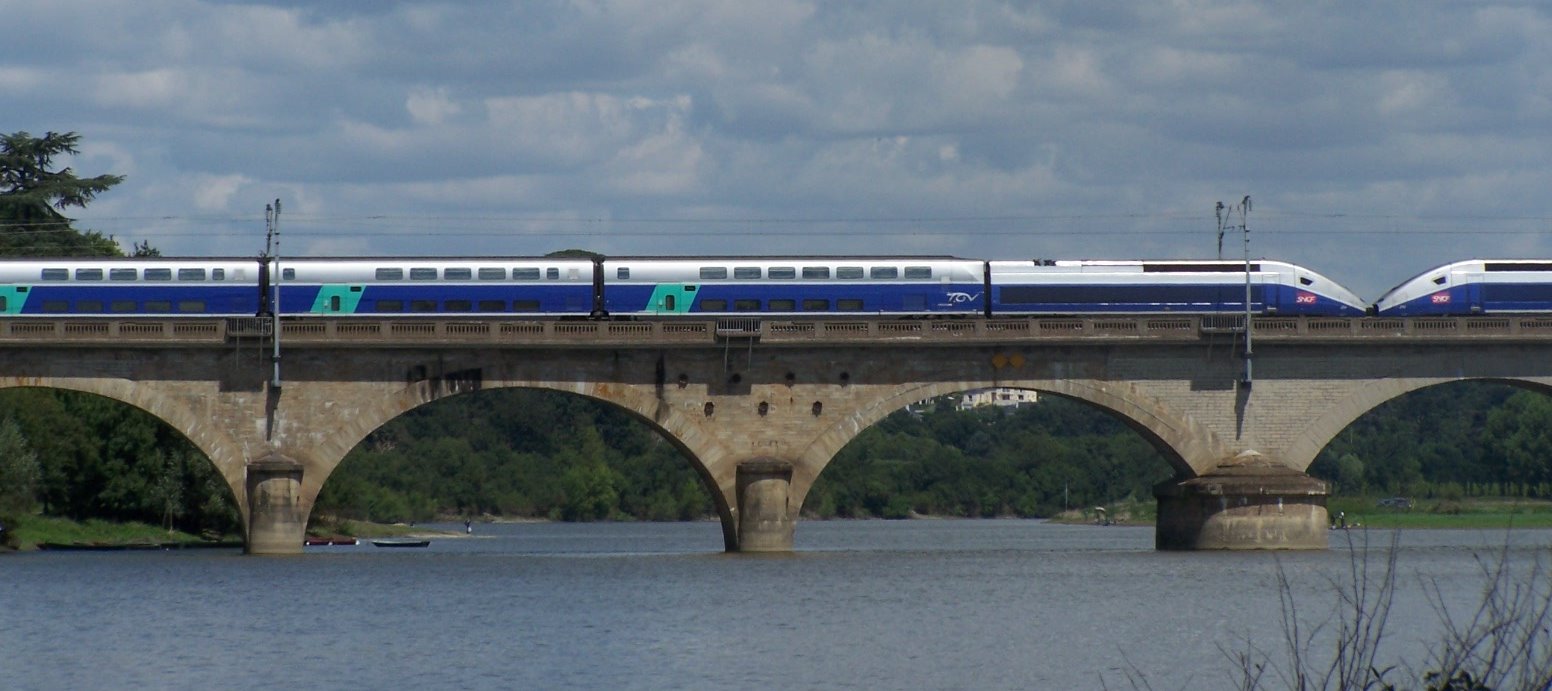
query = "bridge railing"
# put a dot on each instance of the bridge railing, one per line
(359, 332)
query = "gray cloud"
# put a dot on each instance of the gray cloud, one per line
(1376, 139)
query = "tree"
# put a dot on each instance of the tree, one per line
(32, 197)
(19, 473)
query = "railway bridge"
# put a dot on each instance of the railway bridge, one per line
(759, 407)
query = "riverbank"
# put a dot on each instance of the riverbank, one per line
(43, 532)
(1475, 513)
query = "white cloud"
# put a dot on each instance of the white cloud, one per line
(215, 192)
(431, 106)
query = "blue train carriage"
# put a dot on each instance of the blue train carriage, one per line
(1043, 287)
(419, 286)
(793, 287)
(1473, 286)
(125, 287)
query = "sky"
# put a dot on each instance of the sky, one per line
(1374, 140)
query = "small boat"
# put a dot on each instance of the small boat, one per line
(401, 542)
(317, 541)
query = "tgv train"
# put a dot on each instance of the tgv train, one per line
(662, 287)
(1474, 286)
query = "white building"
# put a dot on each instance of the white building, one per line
(1007, 398)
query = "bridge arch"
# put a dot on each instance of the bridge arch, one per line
(634, 402)
(223, 451)
(1177, 437)
(1362, 399)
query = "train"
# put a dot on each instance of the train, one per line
(662, 287)
(1473, 286)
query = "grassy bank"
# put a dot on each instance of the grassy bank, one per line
(32, 531)
(1473, 513)
(1464, 514)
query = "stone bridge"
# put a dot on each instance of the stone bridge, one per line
(760, 407)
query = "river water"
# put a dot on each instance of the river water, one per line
(952, 604)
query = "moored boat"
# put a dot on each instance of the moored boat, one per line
(401, 542)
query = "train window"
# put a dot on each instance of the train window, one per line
(816, 272)
(88, 274)
(122, 306)
(122, 274)
(816, 305)
(782, 305)
(918, 272)
(334, 303)
(459, 306)
(218, 274)
(552, 274)
(158, 275)
(2, 303)
(56, 274)
(622, 273)
(848, 305)
(782, 272)
(493, 306)
(848, 272)
(525, 274)
(525, 305)
(746, 272)
(746, 305)
(713, 305)
(1438, 281)
(1306, 281)
(422, 274)
(492, 273)
(88, 305)
(191, 306)
(668, 302)
(390, 305)
(288, 274)
(158, 305)
(56, 306)
(390, 274)
(458, 274)
(713, 272)
(191, 274)
(423, 305)
(885, 272)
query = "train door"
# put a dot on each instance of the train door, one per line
(337, 299)
(12, 298)
(1472, 289)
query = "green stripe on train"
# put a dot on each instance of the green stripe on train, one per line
(671, 298)
(337, 299)
(12, 298)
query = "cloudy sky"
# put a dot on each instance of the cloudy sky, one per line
(1374, 139)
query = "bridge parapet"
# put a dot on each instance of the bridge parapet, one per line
(477, 332)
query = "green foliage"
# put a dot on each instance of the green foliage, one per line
(1466, 438)
(1032, 461)
(98, 458)
(19, 471)
(32, 197)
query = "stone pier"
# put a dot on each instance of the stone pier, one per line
(1247, 502)
(765, 521)
(276, 521)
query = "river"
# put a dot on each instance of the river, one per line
(927, 604)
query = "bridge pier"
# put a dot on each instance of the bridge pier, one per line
(765, 520)
(275, 522)
(1246, 502)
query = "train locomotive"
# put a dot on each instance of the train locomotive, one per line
(1474, 286)
(661, 287)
